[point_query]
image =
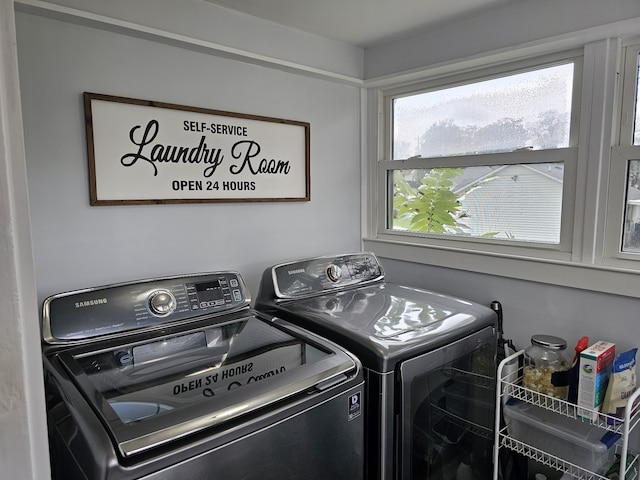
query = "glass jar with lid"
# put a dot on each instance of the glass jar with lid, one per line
(546, 366)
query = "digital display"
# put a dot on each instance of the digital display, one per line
(209, 292)
(220, 292)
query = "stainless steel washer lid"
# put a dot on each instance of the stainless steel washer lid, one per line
(381, 323)
(152, 391)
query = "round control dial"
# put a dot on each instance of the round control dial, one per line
(161, 303)
(334, 273)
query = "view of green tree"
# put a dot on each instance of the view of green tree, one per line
(428, 204)
(432, 206)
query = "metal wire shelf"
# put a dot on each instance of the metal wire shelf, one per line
(509, 386)
(552, 461)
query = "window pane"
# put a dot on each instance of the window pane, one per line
(515, 202)
(526, 110)
(631, 236)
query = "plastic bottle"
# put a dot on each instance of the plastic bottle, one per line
(582, 344)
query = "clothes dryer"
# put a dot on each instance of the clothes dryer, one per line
(429, 360)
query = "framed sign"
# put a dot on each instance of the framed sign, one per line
(146, 152)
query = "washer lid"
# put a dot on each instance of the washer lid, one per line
(157, 388)
(384, 323)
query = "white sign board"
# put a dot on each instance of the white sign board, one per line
(150, 152)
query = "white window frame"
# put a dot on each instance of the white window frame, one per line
(621, 154)
(560, 251)
(569, 156)
(582, 259)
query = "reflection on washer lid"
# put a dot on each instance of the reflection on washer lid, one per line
(387, 312)
(175, 385)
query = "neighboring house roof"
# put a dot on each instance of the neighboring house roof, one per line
(471, 176)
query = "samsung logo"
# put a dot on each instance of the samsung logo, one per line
(293, 272)
(89, 303)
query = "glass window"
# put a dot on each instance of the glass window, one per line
(525, 110)
(631, 232)
(623, 230)
(516, 202)
(464, 147)
(631, 228)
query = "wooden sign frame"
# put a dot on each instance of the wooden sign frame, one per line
(147, 152)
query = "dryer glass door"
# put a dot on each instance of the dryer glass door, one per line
(448, 398)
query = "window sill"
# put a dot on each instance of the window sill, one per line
(598, 278)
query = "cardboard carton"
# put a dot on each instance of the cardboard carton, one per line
(596, 363)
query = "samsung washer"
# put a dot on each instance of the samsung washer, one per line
(429, 361)
(178, 377)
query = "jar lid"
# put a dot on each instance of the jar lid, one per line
(549, 341)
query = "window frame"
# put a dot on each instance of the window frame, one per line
(621, 154)
(585, 265)
(628, 92)
(569, 155)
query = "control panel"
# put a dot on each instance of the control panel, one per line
(119, 308)
(321, 274)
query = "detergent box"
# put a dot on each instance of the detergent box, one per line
(596, 364)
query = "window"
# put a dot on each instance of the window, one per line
(527, 170)
(623, 231)
(485, 159)
(531, 109)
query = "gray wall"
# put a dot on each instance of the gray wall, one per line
(521, 23)
(76, 245)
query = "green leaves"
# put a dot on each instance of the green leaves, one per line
(432, 206)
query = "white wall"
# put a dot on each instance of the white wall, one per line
(76, 245)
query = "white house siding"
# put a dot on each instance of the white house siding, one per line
(517, 202)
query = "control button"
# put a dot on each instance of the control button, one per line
(237, 296)
(161, 303)
(123, 358)
(334, 272)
